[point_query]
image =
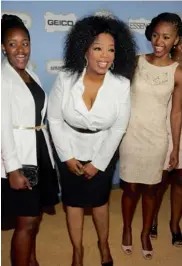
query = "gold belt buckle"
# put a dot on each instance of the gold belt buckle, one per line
(38, 128)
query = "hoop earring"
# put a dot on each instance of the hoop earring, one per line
(112, 66)
(86, 62)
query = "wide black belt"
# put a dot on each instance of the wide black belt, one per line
(82, 130)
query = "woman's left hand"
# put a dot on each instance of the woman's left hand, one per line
(89, 170)
(174, 160)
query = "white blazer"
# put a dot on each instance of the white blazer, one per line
(110, 114)
(18, 146)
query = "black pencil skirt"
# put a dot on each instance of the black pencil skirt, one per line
(77, 191)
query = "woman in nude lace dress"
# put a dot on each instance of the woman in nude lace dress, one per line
(174, 177)
(144, 147)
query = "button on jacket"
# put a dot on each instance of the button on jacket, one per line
(109, 114)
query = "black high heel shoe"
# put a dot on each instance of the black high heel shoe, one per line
(109, 263)
(177, 239)
(153, 232)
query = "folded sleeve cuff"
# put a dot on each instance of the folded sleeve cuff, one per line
(65, 157)
(12, 165)
(100, 164)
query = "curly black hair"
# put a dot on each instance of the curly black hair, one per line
(164, 17)
(84, 32)
(11, 22)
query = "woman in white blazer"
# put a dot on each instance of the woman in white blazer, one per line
(24, 143)
(88, 112)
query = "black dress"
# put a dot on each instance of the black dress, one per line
(31, 202)
(48, 179)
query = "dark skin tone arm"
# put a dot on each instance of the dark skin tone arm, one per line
(176, 118)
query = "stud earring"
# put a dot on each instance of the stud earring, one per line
(4, 52)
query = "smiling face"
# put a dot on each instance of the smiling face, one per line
(17, 48)
(164, 37)
(101, 53)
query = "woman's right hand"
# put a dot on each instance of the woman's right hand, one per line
(75, 166)
(174, 160)
(18, 181)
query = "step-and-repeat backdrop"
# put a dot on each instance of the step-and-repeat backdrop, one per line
(49, 21)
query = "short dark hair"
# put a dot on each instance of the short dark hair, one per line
(84, 32)
(11, 22)
(164, 17)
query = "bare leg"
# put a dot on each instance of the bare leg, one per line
(176, 200)
(160, 193)
(148, 210)
(75, 220)
(33, 259)
(101, 220)
(22, 240)
(130, 198)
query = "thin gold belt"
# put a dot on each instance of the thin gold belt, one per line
(38, 128)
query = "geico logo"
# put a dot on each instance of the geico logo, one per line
(60, 22)
(140, 25)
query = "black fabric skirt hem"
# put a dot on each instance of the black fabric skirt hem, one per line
(84, 205)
